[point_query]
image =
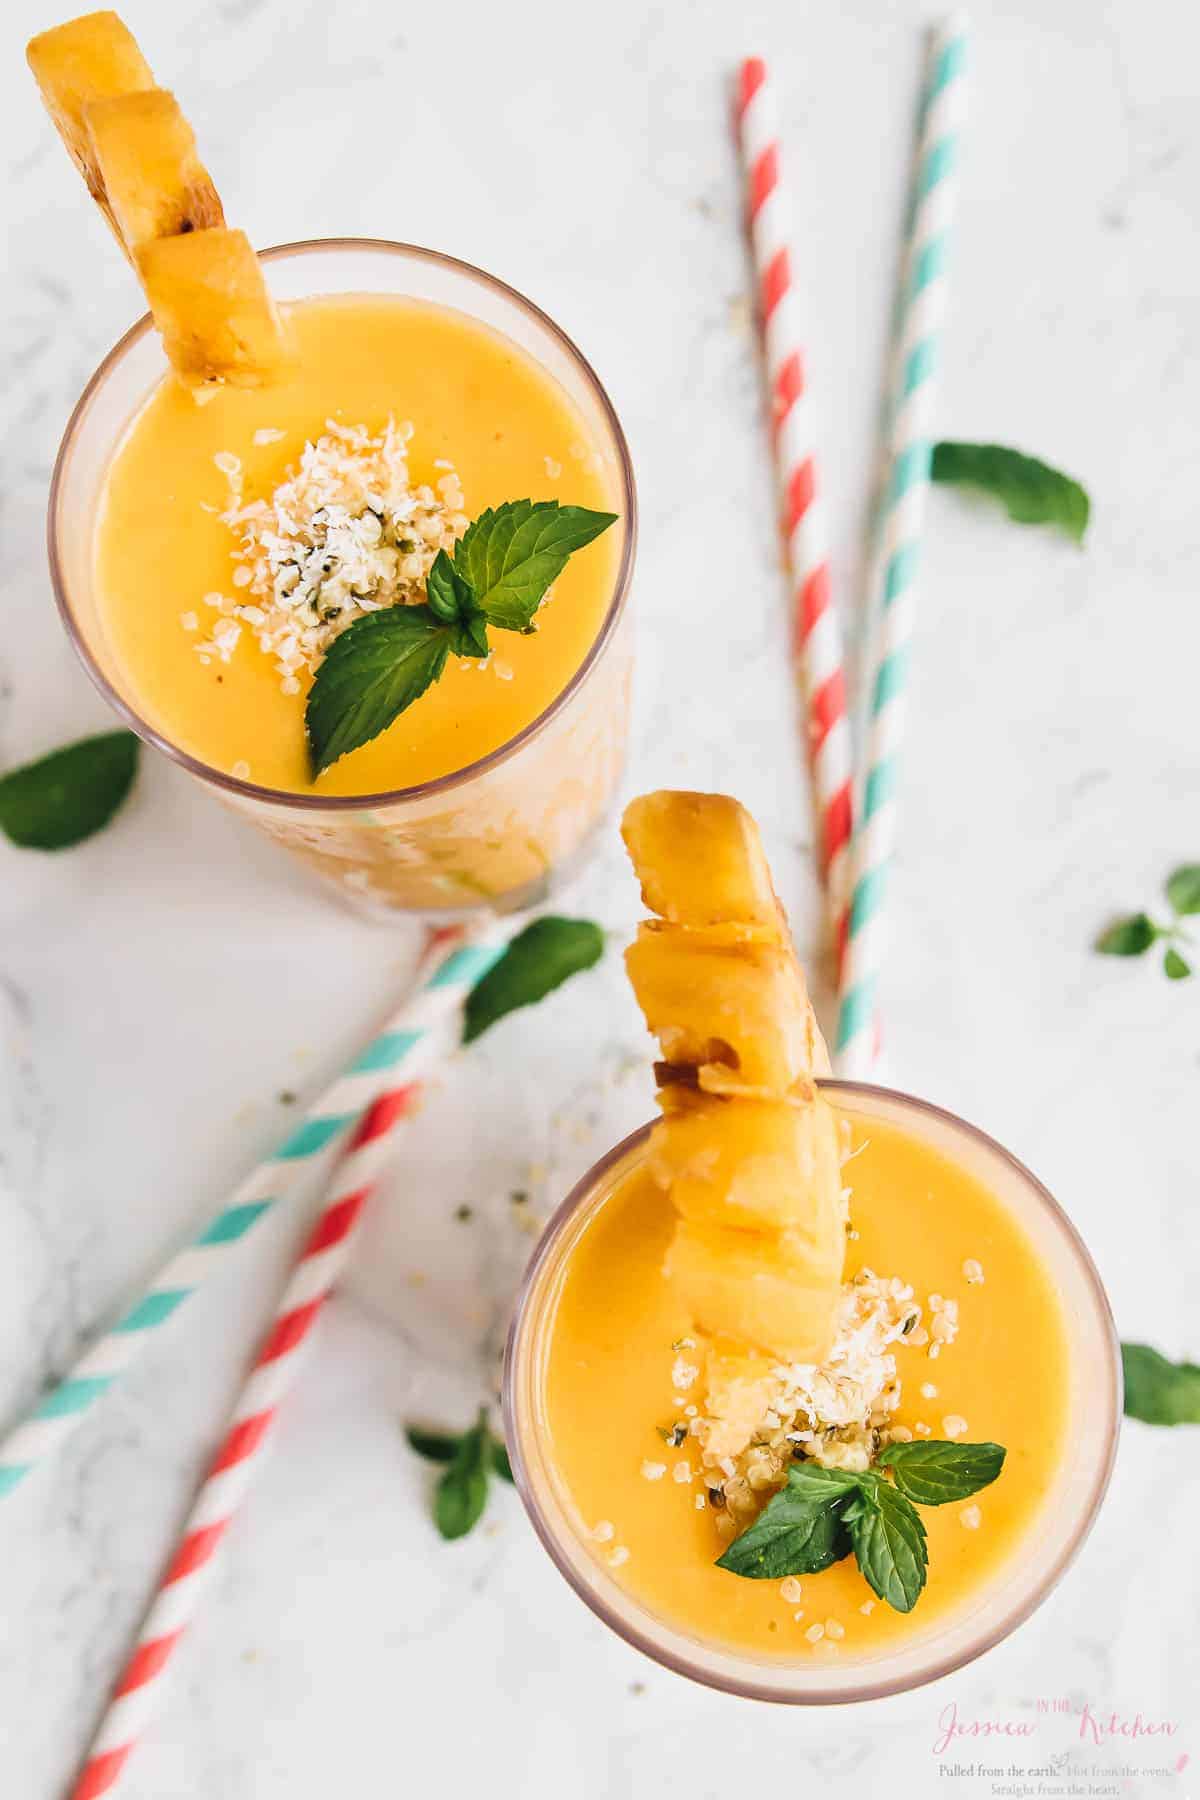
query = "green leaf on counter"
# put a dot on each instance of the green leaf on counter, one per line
(1176, 967)
(469, 1458)
(1158, 1391)
(69, 795)
(1128, 937)
(538, 960)
(1031, 491)
(1183, 889)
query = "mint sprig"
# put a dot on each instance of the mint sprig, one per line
(69, 795)
(470, 1457)
(1158, 1391)
(821, 1515)
(497, 577)
(1133, 934)
(1030, 490)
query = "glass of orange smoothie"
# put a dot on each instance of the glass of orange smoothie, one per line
(636, 1487)
(420, 393)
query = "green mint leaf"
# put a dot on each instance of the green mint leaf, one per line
(1157, 1391)
(69, 795)
(511, 553)
(462, 1491)
(932, 1472)
(374, 670)
(1176, 967)
(538, 960)
(1128, 937)
(1031, 491)
(800, 1530)
(500, 1463)
(889, 1542)
(450, 596)
(1183, 889)
(468, 635)
(434, 1446)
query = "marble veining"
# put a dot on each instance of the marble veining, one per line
(163, 989)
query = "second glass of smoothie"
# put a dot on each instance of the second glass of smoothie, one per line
(491, 786)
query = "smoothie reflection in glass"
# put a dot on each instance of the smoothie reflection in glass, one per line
(420, 392)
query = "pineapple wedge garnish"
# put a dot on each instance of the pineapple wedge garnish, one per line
(757, 1165)
(747, 1148)
(700, 861)
(138, 156)
(155, 184)
(214, 311)
(87, 60)
(761, 1287)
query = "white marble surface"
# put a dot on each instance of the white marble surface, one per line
(161, 986)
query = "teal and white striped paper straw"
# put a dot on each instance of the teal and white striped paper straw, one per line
(912, 391)
(411, 1042)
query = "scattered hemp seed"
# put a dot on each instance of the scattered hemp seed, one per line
(286, 1097)
(463, 1213)
(518, 1197)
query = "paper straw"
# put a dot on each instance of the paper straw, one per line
(920, 312)
(411, 1042)
(816, 632)
(139, 1689)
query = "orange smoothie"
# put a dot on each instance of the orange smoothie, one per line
(188, 572)
(623, 1386)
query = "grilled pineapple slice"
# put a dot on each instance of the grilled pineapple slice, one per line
(211, 304)
(145, 152)
(75, 65)
(762, 1288)
(753, 1164)
(735, 1013)
(746, 1148)
(700, 861)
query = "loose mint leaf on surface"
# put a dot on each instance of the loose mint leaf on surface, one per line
(1128, 937)
(538, 960)
(889, 1541)
(1158, 1391)
(510, 554)
(1183, 889)
(371, 673)
(500, 1463)
(800, 1531)
(434, 1446)
(933, 1472)
(1176, 967)
(462, 1491)
(69, 795)
(1031, 491)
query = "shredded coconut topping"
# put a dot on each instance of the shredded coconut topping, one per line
(344, 534)
(756, 1416)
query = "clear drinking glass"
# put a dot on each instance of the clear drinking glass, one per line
(496, 834)
(991, 1612)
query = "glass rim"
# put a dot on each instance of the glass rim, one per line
(443, 784)
(745, 1686)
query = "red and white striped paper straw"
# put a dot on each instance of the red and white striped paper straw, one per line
(816, 633)
(236, 1463)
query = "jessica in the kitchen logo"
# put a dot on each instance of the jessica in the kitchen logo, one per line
(1086, 1723)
